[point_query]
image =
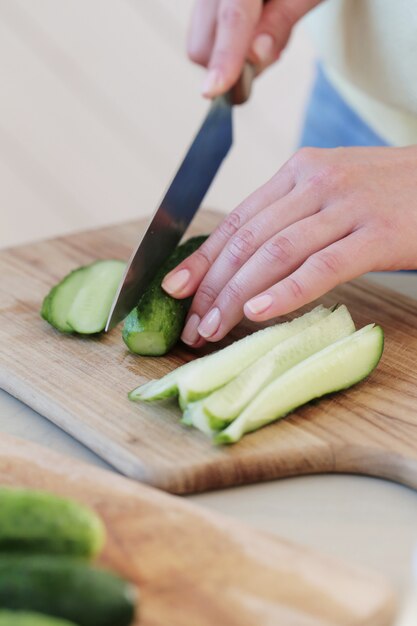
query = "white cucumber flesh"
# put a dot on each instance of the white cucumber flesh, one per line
(225, 404)
(195, 416)
(219, 368)
(90, 308)
(338, 366)
(198, 378)
(62, 299)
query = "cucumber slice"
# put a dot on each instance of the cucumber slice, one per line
(226, 403)
(339, 366)
(90, 308)
(58, 302)
(81, 301)
(198, 378)
(205, 376)
(194, 415)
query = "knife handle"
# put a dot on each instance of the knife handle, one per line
(240, 91)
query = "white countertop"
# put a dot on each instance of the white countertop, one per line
(363, 520)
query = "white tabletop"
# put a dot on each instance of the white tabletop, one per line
(363, 520)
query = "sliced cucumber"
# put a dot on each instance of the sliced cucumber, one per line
(90, 308)
(198, 378)
(339, 366)
(155, 324)
(58, 302)
(81, 301)
(207, 375)
(194, 415)
(226, 403)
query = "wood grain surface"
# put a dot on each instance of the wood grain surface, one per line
(81, 384)
(196, 568)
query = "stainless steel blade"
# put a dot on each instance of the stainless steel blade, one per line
(177, 208)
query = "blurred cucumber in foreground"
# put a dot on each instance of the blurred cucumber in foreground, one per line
(66, 588)
(23, 618)
(39, 522)
(155, 324)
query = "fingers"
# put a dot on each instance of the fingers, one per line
(274, 29)
(202, 31)
(246, 241)
(236, 21)
(183, 280)
(321, 272)
(278, 257)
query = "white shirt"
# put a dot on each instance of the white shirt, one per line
(369, 53)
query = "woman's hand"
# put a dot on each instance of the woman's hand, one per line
(326, 217)
(224, 34)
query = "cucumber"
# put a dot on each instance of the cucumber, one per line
(58, 302)
(91, 306)
(226, 403)
(23, 618)
(40, 522)
(81, 301)
(155, 324)
(65, 588)
(194, 415)
(198, 378)
(338, 366)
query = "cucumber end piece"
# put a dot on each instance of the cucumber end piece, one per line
(149, 343)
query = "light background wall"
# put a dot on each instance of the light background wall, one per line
(99, 102)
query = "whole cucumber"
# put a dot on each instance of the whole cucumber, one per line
(23, 618)
(66, 588)
(155, 324)
(40, 522)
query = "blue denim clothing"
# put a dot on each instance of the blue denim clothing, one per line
(330, 122)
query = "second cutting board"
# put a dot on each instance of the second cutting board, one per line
(81, 385)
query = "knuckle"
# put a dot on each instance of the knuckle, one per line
(234, 292)
(202, 257)
(206, 294)
(242, 246)
(230, 225)
(295, 288)
(279, 249)
(285, 14)
(325, 262)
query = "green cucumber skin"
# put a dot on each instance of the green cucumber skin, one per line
(230, 435)
(65, 588)
(40, 522)
(155, 324)
(23, 618)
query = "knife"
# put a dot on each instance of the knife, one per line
(182, 199)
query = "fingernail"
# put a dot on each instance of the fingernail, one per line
(212, 84)
(210, 323)
(174, 283)
(263, 48)
(190, 333)
(259, 304)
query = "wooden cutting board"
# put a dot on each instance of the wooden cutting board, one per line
(81, 385)
(196, 568)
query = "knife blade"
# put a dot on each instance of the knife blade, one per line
(182, 199)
